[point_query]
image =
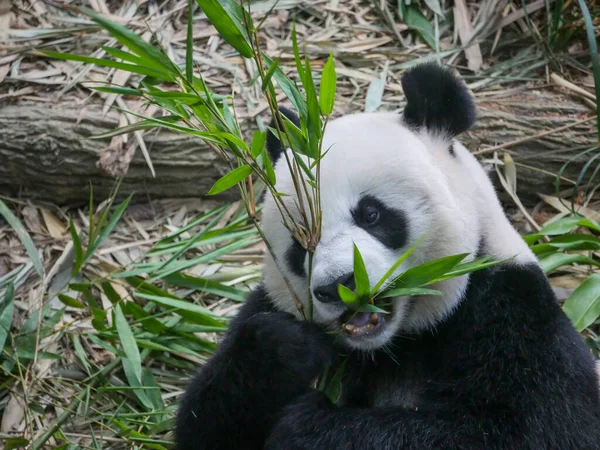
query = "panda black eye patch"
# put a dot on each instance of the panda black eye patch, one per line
(295, 257)
(387, 225)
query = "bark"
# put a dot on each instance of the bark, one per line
(45, 152)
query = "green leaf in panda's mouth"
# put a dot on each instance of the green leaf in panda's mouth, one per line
(409, 283)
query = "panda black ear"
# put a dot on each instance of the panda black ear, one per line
(437, 100)
(274, 147)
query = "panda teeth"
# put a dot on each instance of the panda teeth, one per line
(374, 319)
(349, 327)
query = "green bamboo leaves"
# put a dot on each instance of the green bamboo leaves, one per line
(583, 305)
(328, 87)
(231, 179)
(408, 283)
(227, 16)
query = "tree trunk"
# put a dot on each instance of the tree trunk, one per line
(45, 152)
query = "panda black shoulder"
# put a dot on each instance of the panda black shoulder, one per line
(437, 101)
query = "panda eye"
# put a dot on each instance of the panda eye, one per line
(371, 215)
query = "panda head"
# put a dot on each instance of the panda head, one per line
(388, 180)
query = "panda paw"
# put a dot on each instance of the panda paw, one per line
(296, 349)
(294, 430)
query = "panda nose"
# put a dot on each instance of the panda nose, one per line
(328, 293)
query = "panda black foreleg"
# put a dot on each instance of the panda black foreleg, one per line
(313, 422)
(266, 361)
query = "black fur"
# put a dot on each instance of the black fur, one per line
(437, 100)
(265, 362)
(274, 147)
(295, 258)
(505, 371)
(391, 229)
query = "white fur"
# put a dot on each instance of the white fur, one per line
(449, 199)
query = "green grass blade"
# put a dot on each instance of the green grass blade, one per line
(24, 237)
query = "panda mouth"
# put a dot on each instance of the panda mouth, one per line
(362, 324)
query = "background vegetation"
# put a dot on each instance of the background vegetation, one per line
(107, 308)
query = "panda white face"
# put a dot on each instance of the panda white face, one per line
(384, 185)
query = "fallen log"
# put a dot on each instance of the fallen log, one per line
(46, 153)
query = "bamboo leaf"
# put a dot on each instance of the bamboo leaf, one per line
(18, 227)
(288, 87)
(225, 24)
(415, 19)
(149, 54)
(426, 273)
(128, 342)
(349, 297)
(361, 278)
(207, 286)
(560, 226)
(313, 118)
(6, 314)
(299, 66)
(258, 143)
(118, 90)
(583, 305)
(231, 179)
(434, 5)
(70, 301)
(77, 248)
(189, 46)
(400, 260)
(409, 292)
(109, 63)
(269, 167)
(367, 307)
(108, 229)
(269, 74)
(187, 310)
(556, 260)
(591, 36)
(136, 126)
(328, 87)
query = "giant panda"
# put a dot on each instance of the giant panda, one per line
(493, 363)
